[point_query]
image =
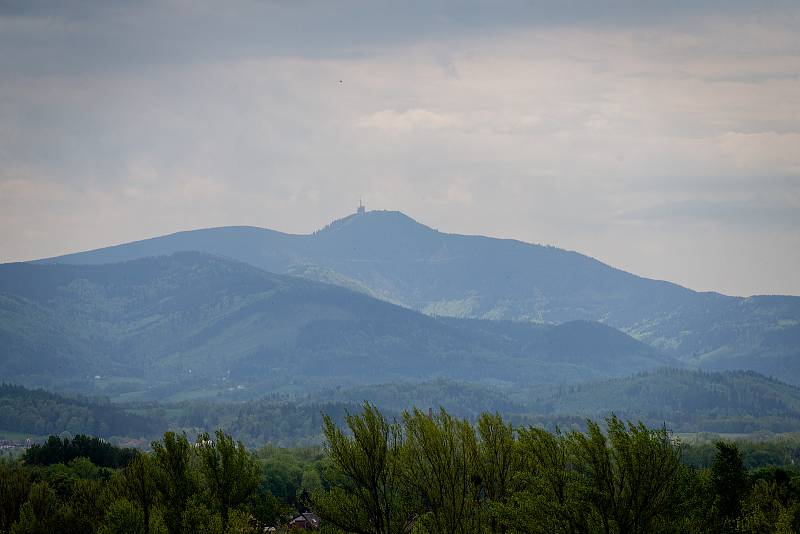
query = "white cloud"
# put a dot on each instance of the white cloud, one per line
(408, 121)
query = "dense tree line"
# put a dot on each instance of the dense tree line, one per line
(458, 398)
(58, 450)
(687, 400)
(420, 472)
(211, 485)
(40, 412)
(433, 473)
(263, 421)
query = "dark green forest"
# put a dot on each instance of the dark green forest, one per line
(41, 412)
(420, 471)
(684, 401)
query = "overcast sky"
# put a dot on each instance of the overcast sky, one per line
(661, 140)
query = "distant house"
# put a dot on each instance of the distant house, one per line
(305, 521)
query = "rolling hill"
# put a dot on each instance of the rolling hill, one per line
(392, 257)
(192, 324)
(684, 400)
(40, 412)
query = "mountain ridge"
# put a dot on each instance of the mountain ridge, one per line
(192, 321)
(390, 256)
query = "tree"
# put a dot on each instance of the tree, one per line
(729, 482)
(367, 468)
(199, 518)
(175, 479)
(139, 484)
(231, 474)
(441, 454)
(123, 517)
(15, 484)
(497, 463)
(39, 514)
(632, 473)
(624, 481)
(86, 506)
(550, 495)
(764, 510)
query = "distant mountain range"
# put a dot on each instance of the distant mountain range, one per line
(389, 256)
(191, 324)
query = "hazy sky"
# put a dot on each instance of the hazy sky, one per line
(661, 140)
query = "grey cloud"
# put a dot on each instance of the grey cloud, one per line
(751, 214)
(85, 36)
(542, 121)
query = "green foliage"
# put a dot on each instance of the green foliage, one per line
(631, 473)
(40, 412)
(175, 478)
(430, 472)
(685, 400)
(284, 470)
(123, 517)
(624, 480)
(85, 507)
(441, 455)
(15, 483)
(729, 482)
(39, 514)
(452, 479)
(231, 475)
(277, 422)
(58, 450)
(498, 461)
(758, 451)
(208, 487)
(199, 517)
(368, 468)
(138, 483)
(458, 398)
(767, 509)
(550, 495)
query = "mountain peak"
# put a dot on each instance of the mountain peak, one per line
(376, 220)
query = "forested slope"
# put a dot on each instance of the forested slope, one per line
(393, 257)
(175, 327)
(685, 400)
(39, 412)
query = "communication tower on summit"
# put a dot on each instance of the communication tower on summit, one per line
(361, 209)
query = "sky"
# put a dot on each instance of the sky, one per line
(662, 138)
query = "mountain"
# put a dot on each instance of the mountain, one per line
(192, 324)
(392, 257)
(684, 400)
